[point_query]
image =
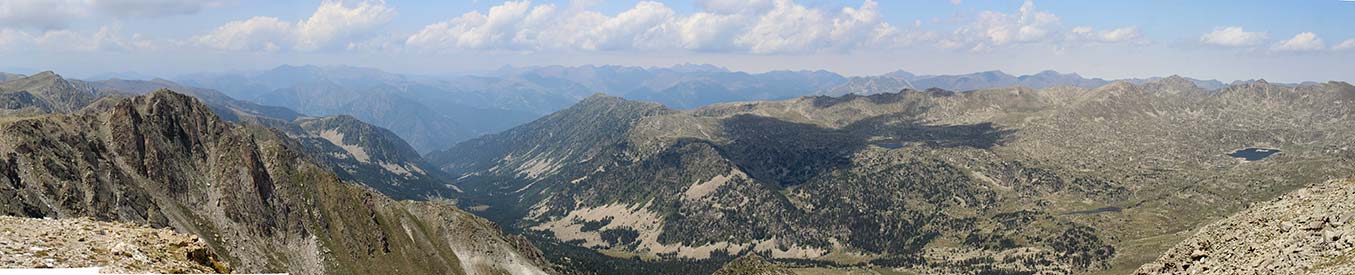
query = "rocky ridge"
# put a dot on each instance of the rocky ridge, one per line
(1308, 231)
(166, 160)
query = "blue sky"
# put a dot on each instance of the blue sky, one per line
(1227, 40)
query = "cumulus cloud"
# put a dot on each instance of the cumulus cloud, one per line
(1118, 35)
(1233, 37)
(334, 25)
(257, 33)
(1301, 42)
(772, 26)
(1349, 44)
(1028, 25)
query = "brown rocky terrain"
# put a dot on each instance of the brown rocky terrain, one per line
(111, 246)
(1308, 231)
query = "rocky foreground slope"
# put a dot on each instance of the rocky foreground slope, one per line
(1308, 231)
(113, 247)
(166, 160)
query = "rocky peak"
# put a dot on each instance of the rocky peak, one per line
(1173, 84)
(165, 160)
(61, 95)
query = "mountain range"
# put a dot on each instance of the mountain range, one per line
(687, 169)
(433, 113)
(1062, 179)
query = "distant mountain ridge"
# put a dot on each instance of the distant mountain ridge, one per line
(1057, 180)
(434, 113)
(899, 80)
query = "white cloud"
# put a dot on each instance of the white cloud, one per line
(1306, 41)
(105, 39)
(1028, 25)
(1118, 35)
(638, 27)
(1349, 44)
(339, 22)
(334, 25)
(775, 26)
(1233, 37)
(257, 33)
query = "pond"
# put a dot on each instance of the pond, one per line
(1253, 154)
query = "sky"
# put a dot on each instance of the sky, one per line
(1289, 41)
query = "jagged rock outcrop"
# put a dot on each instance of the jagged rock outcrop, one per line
(112, 247)
(1308, 231)
(166, 160)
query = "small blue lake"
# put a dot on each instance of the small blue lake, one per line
(1253, 154)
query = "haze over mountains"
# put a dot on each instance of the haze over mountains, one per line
(432, 113)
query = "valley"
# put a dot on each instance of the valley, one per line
(756, 137)
(1060, 180)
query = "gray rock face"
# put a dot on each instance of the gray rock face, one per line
(166, 160)
(1264, 240)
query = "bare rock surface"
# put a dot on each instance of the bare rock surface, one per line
(111, 246)
(1308, 231)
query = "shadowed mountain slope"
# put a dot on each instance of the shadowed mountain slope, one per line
(1063, 179)
(166, 160)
